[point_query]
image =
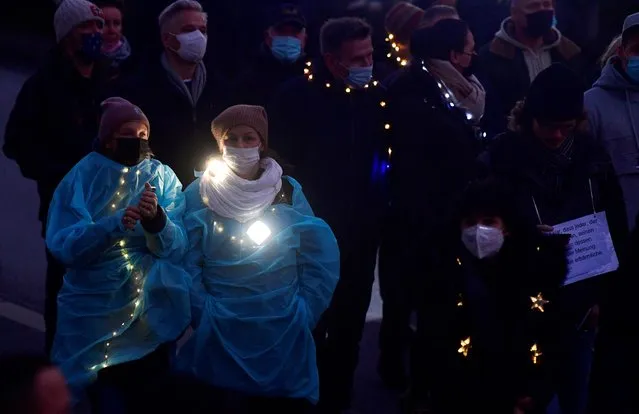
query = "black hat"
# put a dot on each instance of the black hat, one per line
(556, 95)
(288, 13)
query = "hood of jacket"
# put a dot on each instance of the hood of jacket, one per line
(613, 79)
(505, 44)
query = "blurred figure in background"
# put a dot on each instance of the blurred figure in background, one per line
(429, 131)
(55, 119)
(177, 92)
(30, 384)
(526, 44)
(436, 13)
(281, 57)
(115, 46)
(330, 126)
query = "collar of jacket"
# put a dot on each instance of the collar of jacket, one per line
(566, 48)
(66, 69)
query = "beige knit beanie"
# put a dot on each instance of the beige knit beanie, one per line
(249, 115)
(71, 13)
(402, 20)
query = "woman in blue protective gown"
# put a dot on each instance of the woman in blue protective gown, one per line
(264, 269)
(116, 223)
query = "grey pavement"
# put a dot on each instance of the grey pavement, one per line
(23, 263)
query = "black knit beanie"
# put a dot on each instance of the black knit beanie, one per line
(556, 95)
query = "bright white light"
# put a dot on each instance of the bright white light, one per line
(469, 116)
(258, 232)
(217, 169)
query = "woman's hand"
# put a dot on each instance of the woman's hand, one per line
(131, 217)
(545, 229)
(148, 206)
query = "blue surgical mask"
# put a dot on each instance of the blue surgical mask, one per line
(91, 46)
(359, 77)
(286, 48)
(633, 68)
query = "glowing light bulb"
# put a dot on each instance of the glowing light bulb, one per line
(535, 354)
(538, 302)
(391, 36)
(389, 55)
(387, 126)
(390, 151)
(375, 83)
(382, 104)
(469, 116)
(447, 95)
(404, 62)
(306, 71)
(122, 243)
(398, 59)
(258, 232)
(117, 193)
(394, 45)
(106, 357)
(108, 344)
(125, 170)
(138, 172)
(459, 261)
(219, 229)
(113, 206)
(465, 347)
(328, 85)
(139, 290)
(137, 303)
(348, 90)
(452, 105)
(366, 86)
(310, 77)
(122, 181)
(115, 333)
(397, 49)
(308, 63)
(387, 39)
(126, 255)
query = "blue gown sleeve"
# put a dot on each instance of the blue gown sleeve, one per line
(318, 262)
(72, 236)
(171, 242)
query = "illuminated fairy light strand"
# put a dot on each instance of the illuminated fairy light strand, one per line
(536, 354)
(136, 277)
(393, 54)
(464, 347)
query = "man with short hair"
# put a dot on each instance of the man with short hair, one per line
(177, 94)
(527, 44)
(330, 126)
(280, 59)
(55, 119)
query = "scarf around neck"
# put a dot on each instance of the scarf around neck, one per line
(197, 83)
(119, 54)
(230, 196)
(468, 91)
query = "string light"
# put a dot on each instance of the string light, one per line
(535, 354)
(538, 302)
(395, 48)
(390, 152)
(258, 232)
(459, 262)
(460, 302)
(465, 347)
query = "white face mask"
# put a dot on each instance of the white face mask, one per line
(483, 241)
(241, 160)
(192, 45)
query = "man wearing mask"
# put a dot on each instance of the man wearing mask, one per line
(281, 57)
(330, 126)
(527, 44)
(176, 93)
(55, 119)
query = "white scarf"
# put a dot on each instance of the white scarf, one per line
(236, 198)
(468, 91)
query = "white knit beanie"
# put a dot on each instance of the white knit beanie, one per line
(71, 13)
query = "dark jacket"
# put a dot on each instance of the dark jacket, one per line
(504, 74)
(489, 303)
(258, 85)
(53, 123)
(561, 190)
(433, 153)
(334, 140)
(180, 133)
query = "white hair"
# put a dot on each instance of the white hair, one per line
(173, 9)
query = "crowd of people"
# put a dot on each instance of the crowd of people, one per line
(495, 188)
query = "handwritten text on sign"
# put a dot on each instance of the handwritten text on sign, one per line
(590, 250)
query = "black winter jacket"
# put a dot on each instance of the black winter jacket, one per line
(496, 342)
(334, 139)
(180, 135)
(54, 122)
(257, 85)
(433, 153)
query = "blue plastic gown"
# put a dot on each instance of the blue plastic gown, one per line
(255, 306)
(122, 294)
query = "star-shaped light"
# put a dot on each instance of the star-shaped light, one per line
(538, 302)
(465, 347)
(535, 354)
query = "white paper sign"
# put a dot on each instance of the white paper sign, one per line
(590, 250)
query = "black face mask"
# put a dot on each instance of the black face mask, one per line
(539, 23)
(131, 151)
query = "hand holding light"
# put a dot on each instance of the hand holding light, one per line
(148, 206)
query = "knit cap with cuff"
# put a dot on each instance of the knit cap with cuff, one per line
(556, 95)
(71, 13)
(116, 112)
(248, 115)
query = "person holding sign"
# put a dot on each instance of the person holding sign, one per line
(498, 310)
(564, 182)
